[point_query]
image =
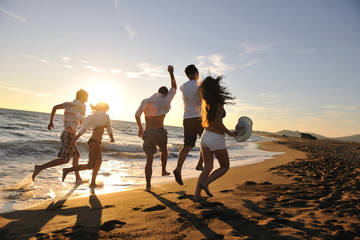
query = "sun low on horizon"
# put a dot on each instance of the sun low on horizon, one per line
(104, 90)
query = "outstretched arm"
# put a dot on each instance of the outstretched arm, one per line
(75, 138)
(219, 123)
(109, 129)
(111, 137)
(172, 77)
(51, 123)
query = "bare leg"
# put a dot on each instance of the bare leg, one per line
(209, 162)
(163, 158)
(96, 170)
(223, 158)
(52, 163)
(199, 165)
(184, 151)
(94, 149)
(77, 175)
(148, 171)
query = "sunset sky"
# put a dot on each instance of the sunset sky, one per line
(290, 64)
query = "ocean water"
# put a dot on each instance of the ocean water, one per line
(25, 141)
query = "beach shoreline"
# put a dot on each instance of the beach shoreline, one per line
(246, 205)
(116, 174)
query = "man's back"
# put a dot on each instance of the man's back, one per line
(191, 98)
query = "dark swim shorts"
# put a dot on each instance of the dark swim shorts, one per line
(153, 138)
(192, 128)
(67, 150)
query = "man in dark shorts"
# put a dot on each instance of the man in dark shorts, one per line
(155, 109)
(192, 119)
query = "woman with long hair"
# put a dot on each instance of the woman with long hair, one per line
(214, 97)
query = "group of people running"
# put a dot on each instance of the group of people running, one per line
(203, 116)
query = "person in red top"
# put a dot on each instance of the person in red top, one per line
(74, 112)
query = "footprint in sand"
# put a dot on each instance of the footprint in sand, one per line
(155, 208)
(226, 191)
(111, 225)
(209, 205)
(104, 207)
(189, 196)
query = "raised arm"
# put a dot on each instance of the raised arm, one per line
(172, 78)
(56, 107)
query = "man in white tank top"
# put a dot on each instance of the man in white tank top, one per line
(192, 119)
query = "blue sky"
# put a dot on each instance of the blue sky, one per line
(290, 64)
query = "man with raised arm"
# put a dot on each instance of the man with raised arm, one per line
(155, 109)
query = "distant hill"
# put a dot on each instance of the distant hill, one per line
(288, 133)
(297, 133)
(353, 138)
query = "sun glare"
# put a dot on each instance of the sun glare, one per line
(104, 91)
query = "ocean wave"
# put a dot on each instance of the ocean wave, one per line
(24, 185)
(11, 149)
(27, 148)
(130, 155)
(122, 147)
(133, 149)
(9, 127)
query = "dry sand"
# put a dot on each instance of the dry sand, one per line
(245, 206)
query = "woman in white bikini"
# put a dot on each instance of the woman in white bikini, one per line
(213, 96)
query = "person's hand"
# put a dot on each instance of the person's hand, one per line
(233, 133)
(170, 69)
(51, 126)
(141, 133)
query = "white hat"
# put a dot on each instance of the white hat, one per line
(243, 129)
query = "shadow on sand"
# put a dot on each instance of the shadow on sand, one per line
(28, 223)
(240, 226)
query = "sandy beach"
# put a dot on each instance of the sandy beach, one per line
(310, 191)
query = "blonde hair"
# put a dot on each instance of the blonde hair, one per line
(82, 95)
(101, 106)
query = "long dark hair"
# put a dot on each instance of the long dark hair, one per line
(212, 94)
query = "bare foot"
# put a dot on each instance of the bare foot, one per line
(147, 189)
(37, 170)
(178, 178)
(199, 168)
(93, 185)
(65, 172)
(165, 173)
(206, 189)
